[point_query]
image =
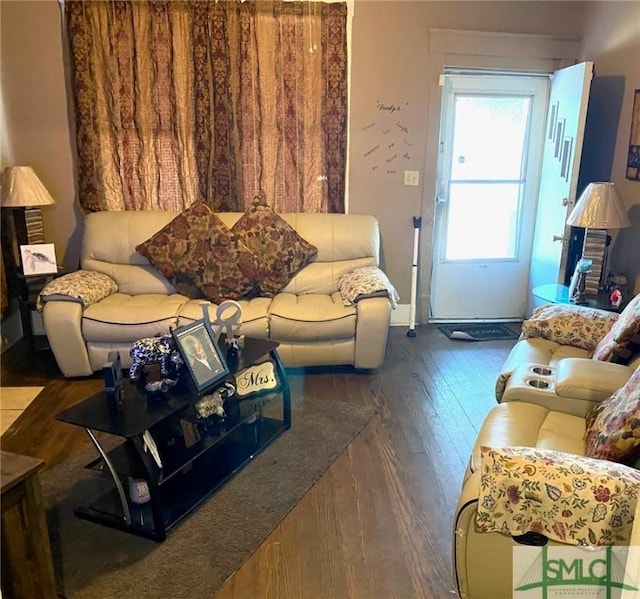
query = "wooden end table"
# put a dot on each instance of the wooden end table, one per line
(27, 568)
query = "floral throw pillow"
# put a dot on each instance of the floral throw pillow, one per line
(569, 498)
(201, 257)
(577, 326)
(280, 251)
(623, 340)
(613, 425)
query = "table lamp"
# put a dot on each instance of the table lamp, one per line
(599, 207)
(24, 193)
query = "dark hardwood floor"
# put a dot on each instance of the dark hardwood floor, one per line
(378, 523)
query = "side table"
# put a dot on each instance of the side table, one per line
(30, 288)
(556, 293)
(27, 568)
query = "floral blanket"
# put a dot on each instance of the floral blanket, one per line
(568, 498)
(367, 281)
(82, 286)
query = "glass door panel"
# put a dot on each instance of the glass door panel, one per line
(489, 137)
(483, 221)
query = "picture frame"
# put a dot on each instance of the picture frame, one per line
(201, 353)
(633, 158)
(38, 259)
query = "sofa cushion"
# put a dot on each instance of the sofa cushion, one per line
(126, 318)
(201, 256)
(280, 251)
(530, 425)
(311, 317)
(569, 325)
(569, 498)
(613, 426)
(623, 340)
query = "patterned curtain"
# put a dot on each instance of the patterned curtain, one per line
(176, 100)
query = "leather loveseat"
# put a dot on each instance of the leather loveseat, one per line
(482, 559)
(575, 351)
(309, 317)
(557, 461)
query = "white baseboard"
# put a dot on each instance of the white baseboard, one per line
(400, 316)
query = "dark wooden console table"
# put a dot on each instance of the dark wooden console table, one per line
(189, 470)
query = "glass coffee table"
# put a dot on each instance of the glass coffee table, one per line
(178, 471)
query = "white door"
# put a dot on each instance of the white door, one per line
(491, 139)
(564, 134)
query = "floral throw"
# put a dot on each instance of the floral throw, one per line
(83, 286)
(577, 326)
(623, 340)
(613, 425)
(280, 251)
(367, 281)
(566, 497)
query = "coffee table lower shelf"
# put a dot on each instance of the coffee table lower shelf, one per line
(183, 492)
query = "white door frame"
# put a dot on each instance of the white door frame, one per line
(474, 49)
(488, 289)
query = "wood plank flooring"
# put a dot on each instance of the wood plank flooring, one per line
(377, 525)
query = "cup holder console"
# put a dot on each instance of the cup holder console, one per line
(535, 383)
(538, 384)
(542, 370)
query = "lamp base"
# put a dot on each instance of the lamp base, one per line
(26, 227)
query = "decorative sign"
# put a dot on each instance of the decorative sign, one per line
(387, 139)
(256, 378)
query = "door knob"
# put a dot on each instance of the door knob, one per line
(565, 201)
(558, 237)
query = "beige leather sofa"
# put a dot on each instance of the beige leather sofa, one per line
(482, 561)
(308, 318)
(546, 389)
(542, 367)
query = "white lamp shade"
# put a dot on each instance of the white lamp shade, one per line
(599, 207)
(20, 187)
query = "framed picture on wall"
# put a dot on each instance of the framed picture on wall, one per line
(633, 159)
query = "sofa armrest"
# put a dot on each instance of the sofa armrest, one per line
(85, 287)
(592, 380)
(482, 562)
(372, 331)
(63, 325)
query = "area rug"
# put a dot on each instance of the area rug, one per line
(203, 551)
(478, 332)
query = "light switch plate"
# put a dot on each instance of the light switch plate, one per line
(411, 178)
